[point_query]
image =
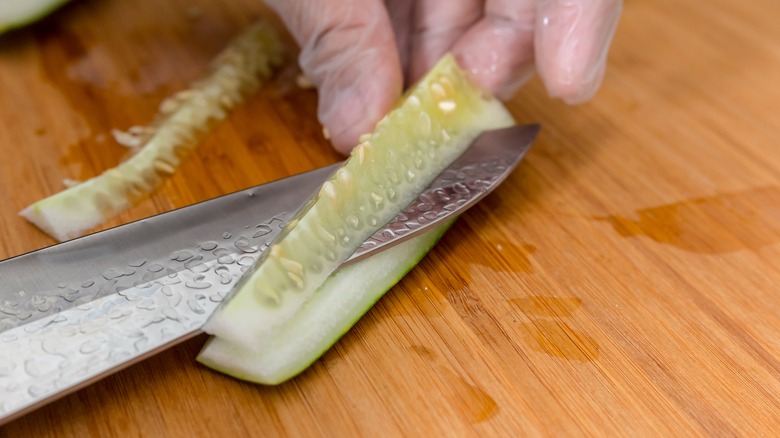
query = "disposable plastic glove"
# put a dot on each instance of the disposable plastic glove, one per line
(360, 53)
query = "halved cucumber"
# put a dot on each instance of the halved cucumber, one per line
(336, 306)
(236, 73)
(430, 128)
(18, 13)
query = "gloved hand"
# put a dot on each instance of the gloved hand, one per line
(359, 53)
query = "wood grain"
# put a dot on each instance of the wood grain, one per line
(624, 280)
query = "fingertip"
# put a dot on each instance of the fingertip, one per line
(575, 92)
(353, 103)
(572, 42)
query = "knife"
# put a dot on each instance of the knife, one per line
(75, 312)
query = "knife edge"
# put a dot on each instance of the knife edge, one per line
(134, 304)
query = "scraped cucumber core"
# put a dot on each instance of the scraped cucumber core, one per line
(236, 73)
(434, 124)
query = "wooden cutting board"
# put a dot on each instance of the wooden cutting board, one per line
(624, 280)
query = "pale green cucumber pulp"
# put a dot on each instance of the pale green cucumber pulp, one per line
(237, 72)
(18, 13)
(435, 122)
(336, 306)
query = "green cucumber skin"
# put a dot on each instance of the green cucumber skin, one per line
(32, 18)
(216, 349)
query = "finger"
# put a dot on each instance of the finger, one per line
(498, 50)
(401, 14)
(348, 51)
(437, 25)
(572, 42)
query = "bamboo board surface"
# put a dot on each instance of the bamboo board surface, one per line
(624, 280)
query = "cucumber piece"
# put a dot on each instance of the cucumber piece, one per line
(429, 129)
(18, 13)
(237, 72)
(336, 306)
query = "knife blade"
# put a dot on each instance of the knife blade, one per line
(75, 312)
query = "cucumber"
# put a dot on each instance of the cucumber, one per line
(242, 67)
(332, 310)
(18, 13)
(428, 130)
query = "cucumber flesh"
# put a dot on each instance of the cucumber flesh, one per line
(430, 128)
(330, 313)
(236, 73)
(18, 13)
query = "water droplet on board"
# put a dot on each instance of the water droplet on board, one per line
(198, 283)
(221, 251)
(558, 339)
(41, 303)
(70, 295)
(226, 260)
(143, 283)
(196, 265)
(749, 218)
(224, 274)
(218, 297)
(182, 256)
(243, 244)
(208, 246)
(116, 273)
(130, 294)
(261, 230)
(246, 261)
(195, 307)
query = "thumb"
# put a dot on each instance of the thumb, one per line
(348, 51)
